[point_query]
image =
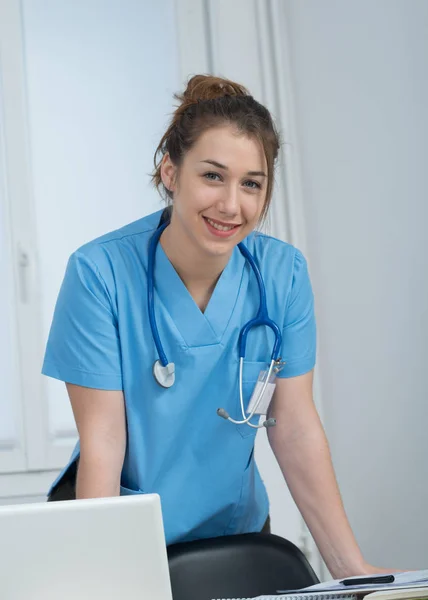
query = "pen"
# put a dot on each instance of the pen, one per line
(368, 580)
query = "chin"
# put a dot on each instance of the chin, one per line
(217, 249)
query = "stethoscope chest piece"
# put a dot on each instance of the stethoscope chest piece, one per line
(165, 376)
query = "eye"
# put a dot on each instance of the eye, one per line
(253, 185)
(212, 176)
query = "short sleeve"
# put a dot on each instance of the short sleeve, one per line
(299, 331)
(83, 345)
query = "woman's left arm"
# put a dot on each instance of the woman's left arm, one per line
(301, 449)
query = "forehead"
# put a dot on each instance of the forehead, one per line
(230, 147)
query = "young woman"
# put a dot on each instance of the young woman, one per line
(150, 328)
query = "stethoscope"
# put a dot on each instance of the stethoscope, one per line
(164, 371)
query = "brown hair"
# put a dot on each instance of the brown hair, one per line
(207, 102)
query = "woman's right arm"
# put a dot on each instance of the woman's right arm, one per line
(101, 423)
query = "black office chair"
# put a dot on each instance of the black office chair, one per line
(237, 566)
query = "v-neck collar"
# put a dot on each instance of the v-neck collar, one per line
(196, 327)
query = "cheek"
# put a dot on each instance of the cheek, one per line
(252, 207)
(188, 196)
(203, 195)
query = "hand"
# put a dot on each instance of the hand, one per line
(361, 569)
(372, 570)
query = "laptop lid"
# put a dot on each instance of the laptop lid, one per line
(97, 549)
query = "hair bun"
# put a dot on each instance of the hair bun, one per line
(208, 87)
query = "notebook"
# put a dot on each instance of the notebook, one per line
(397, 594)
(412, 594)
(408, 582)
(367, 584)
(296, 596)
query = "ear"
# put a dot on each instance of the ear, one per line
(168, 173)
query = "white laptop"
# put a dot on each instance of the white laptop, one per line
(101, 549)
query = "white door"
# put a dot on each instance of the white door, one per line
(88, 88)
(12, 450)
(100, 78)
(13, 292)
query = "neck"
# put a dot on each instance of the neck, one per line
(198, 272)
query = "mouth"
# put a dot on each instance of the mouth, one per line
(220, 228)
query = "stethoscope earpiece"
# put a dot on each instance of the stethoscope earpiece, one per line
(268, 423)
(222, 413)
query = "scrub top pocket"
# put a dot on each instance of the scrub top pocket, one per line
(124, 491)
(251, 373)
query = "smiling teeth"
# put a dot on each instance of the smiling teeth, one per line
(220, 227)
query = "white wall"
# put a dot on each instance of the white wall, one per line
(361, 90)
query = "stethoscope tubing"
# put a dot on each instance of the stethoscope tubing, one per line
(151, 293)
(261, 319)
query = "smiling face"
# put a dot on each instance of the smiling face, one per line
(219, 190)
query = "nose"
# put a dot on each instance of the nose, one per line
(229, 203)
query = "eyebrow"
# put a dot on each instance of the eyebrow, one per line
(220, 166)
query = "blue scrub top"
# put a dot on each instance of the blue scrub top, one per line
(202, 466)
